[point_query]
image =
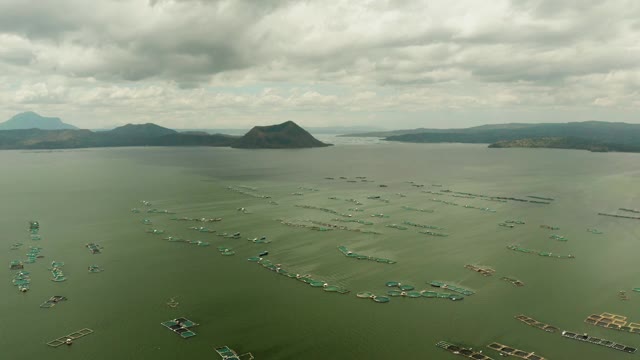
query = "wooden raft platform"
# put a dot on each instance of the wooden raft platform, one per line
(74, 335)
(508, 350)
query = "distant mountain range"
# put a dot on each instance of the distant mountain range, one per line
(31, 120)
(282, 136)
(589, 135)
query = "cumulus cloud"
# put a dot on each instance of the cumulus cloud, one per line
(199, 63)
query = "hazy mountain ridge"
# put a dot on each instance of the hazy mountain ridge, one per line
(281, 136)
(31, 120)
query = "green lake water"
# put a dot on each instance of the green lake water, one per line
(82, 196)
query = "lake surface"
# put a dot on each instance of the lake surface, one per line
(83, 196)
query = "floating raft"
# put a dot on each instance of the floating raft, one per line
(52, 301)
(16, 246)
(613, 321)
(508, 350)
(510, 226)
(597, 341)
(485, 271)
(16, 265)
(595, 231)
(73, 336)
(346, 252)
(94, 248)
(459, 350)
(181, 326)
(229, 354)
(514, 281)
(536, 324)
(537, 252)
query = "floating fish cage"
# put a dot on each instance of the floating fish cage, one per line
(614, 322)
(181, 326)
(432, 233)
(34, 225)
(540, 253)
(513, 281)
(536, 324)
(52, 301)
(68, 339)
(94, 248)
(597, 341)
(422, 225)
(459, 350)
(95, 269)
(451, 287)
(509, 350)
(307, 279)
(225, 251)
(484, 271)
(229, 354)
(346, 252)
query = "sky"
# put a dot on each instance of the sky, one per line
(387, 64)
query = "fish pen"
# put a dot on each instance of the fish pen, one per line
(346, 252)
(483, 270)
(94, 248)
(225, 251)
(462, 351)
(307, 279)
(597, 341)
(68, 339)
(513, 281)
(226, 353)
(415, 209)
(181, 326)
(509, 350)
(22, 280)
(540, 253)
(536, 324)
(433, 227)
(52, 301)
(614, 322)
(451, 287)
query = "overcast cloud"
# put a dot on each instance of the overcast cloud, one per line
(390, 64)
